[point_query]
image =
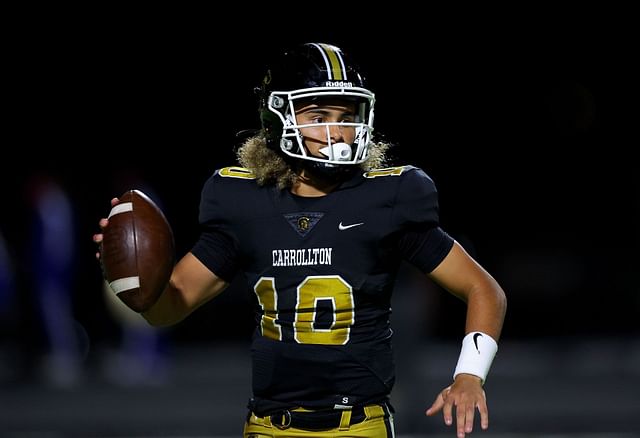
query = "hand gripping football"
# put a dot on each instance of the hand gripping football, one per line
(137, 250)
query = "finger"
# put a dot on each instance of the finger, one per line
(114, 202)
(98, 256)
(468, 422)
(97, 238)
(447, 410)
(484, 415)
(436, 406)
(461, 414)
(103, 222)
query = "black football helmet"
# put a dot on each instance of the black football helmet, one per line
(315, 71)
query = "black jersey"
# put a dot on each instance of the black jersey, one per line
(322, 270)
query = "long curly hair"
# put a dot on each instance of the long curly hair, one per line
(270, 168)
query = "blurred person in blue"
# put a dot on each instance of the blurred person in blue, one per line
(320, 226)
(6, 280)
(7, 303)
(51, 256)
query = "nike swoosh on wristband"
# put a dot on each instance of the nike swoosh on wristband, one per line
(346, 227)
(475, 340)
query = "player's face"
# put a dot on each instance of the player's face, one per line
(334, 111)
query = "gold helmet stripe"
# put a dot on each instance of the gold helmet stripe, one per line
(333, 59)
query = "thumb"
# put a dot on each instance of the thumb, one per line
(436, 406)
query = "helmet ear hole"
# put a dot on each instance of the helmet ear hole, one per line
(277, 102)
(286, 144)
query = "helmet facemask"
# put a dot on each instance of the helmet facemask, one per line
(285, 103)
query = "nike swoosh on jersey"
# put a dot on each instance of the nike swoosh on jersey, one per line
(346, 227)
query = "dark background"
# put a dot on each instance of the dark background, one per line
(528, 133)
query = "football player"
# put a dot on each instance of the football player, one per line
(320, 234)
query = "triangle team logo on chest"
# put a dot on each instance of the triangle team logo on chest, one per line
(303, 222)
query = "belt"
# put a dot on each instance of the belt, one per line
(316, 420)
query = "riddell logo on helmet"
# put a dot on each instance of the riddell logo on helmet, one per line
(338, 84)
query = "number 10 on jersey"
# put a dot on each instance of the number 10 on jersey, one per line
(309, 293)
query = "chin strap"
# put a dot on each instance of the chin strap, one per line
(328, 171)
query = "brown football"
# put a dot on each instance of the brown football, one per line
(137, 250)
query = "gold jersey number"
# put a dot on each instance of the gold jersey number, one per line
(309, 293)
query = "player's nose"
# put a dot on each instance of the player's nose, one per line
(336, 133)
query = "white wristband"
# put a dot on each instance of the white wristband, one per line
(478, 351)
